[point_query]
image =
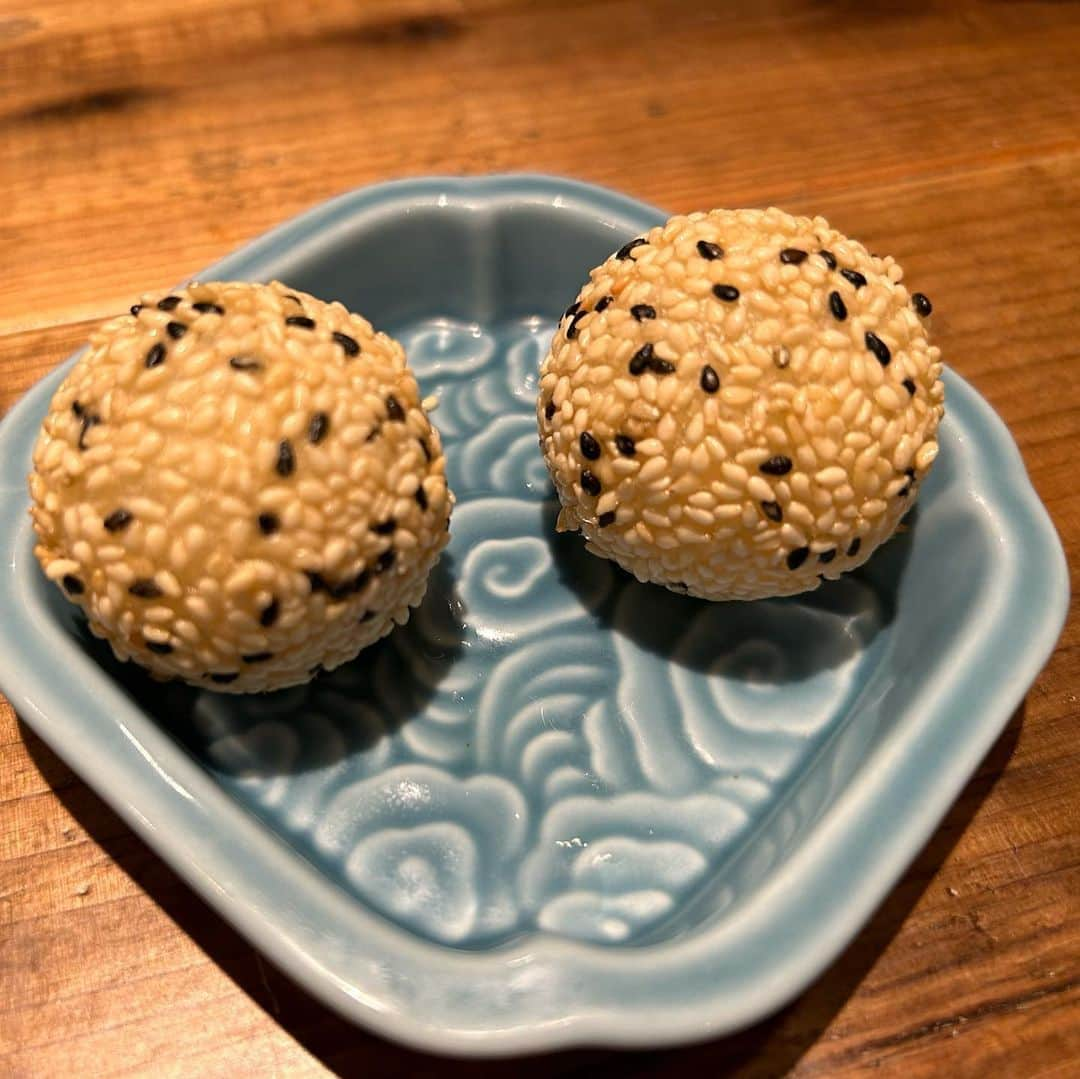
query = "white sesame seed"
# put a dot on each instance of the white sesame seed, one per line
(799, 515)
(757, 488)
(700, 516)
(925, 456)
(737, 396)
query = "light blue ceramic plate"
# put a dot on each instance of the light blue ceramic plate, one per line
(559, 807)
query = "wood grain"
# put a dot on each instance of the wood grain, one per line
(140, 142)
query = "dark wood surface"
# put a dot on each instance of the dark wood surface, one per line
(139, 142)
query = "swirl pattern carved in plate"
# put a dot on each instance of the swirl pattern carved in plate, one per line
(547, 745)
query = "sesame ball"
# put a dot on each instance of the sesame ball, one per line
(739, 404)
(239, 486)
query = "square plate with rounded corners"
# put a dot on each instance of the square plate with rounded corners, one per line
(558, 807)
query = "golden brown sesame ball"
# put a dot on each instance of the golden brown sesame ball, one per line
(238, 484)
(739, 403)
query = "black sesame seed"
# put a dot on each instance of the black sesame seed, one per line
(348, 344)
(625, 445)
(223, 678)
(642, 311)
(853, 550)
(421, 498)
(286, 459)
(117, 521)
(244, 363)
(268, 523)
(827, 556)
(644, 360)
(295, 299)
(773, 511)
(590, 484)
(572, 310)
(624, 251)
(603, 302)
(797, 557)
(170, 303)
(590, 448)
(136, 308)
(836, 306)
(878, 348)
(727, 293)
(257, 657)
(856, 278)
(301, 321)
(340, 589)
(710, 251)
(910, 473)
(605, 519)
(641, 360)
(904, 491)
(359, 582)
(72, 584)
(316, 580)
(384, 528)
(572, 329)
(77, 408)
(161, 648)
(549, 410)
(710, 380)
(175, 330)
(317, 428)
(375, 432)
(830, 259)
(156, 355)
(269, 614)
(792, 256)
(780, 465)
(921, 302)
(909, 385)
(89, 419)
(394, 411)
(144, 588)
(385, 560)
(204, 307)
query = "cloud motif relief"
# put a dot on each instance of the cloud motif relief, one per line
(606, 869)
(476, 378)
(503, 458)
(510, 584)
(547, 745)
(430, 848)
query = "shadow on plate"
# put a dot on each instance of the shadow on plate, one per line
(769, 1048)
(370, 711)
(811, 632)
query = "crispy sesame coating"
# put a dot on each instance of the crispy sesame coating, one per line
(766, 426)
(243, 501)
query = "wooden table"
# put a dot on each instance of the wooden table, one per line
(139, 142)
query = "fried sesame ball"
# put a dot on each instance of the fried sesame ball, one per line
(739, 404)
(239, 486)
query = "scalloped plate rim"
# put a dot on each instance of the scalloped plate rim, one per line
(168, 804)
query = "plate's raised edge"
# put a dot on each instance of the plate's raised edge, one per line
(175, 807)
(481, 194)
